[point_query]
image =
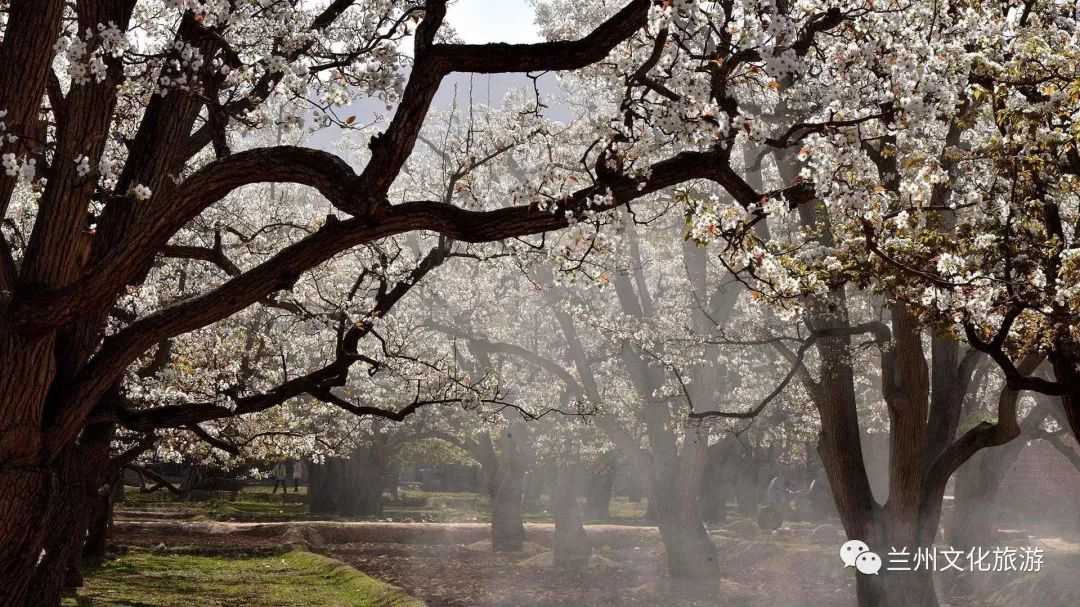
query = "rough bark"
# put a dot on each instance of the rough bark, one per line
(99, 529)
(79, 477)
(712, 497)
(26, 496)
(63, 546)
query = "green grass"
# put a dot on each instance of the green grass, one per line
(293, 579)
(624, 510)
(256, 504)
(253, 510)
(457, 507)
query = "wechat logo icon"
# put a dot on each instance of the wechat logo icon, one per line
(855, 553)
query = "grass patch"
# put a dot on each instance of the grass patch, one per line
(256, 504)
(438, 507)
(293, 579)
(624, 510)
(245, 510)
(252, 504)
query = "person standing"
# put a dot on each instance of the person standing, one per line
(281, 476)
(297, 475)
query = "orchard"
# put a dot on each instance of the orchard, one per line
(662, 302)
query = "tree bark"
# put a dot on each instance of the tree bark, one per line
(347, 486)
(507, 489)
(60, 525)
(571, 546)
(26, 497)
(746, 469)
(599, 484)
(690, 550)
(507, 525)
(63, 546)
(896, 589)
(535, 480)
(722, 472)
(99, 527)
(29, 482)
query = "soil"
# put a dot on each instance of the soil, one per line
(451, 564)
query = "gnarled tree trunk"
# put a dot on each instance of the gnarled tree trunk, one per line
(30, 483)
(27, 494)
(81, 474)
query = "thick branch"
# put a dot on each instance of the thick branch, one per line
(213, 441)
(983, 435)
(545, 56)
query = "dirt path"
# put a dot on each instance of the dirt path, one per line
(451, 565)
(339, 532)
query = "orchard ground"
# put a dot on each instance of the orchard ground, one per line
(434, 547)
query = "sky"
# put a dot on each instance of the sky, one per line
(482, 21)
(476, 22)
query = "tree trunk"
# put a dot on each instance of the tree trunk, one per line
(1064, 360)
(690, 550)
(717, 482)
(507, 526)
(29, 484)
(25, 498)
(713, 505)
(896, 588)
(371, 463)
(535, 480)
(368, 498)
(600, 482)
(63, 546)
(747, 495)
(101, 517)
(507, 489)
(571, 545)
(97, 531)
(60, 527)
(347, 487)
(321, 489)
